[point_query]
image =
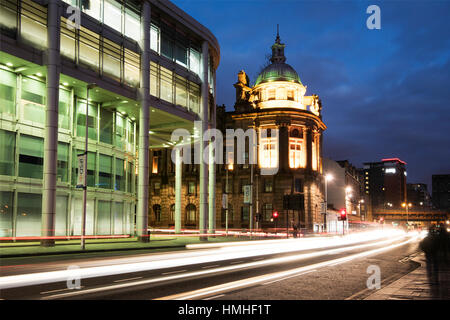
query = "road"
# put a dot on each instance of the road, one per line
(295, 269)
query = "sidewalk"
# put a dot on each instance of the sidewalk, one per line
(420, 284)
(30, 249)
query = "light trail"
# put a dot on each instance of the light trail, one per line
(205, 292)
(230, 268)
(165, 261)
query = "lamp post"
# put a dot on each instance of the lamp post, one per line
(405, 205)
(83, 222)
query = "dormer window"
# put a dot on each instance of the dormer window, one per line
(290, 95)
(271, 94)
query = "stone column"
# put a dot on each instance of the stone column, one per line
(144, 126)
(204, 126)
(178, 186)
(284, 148)
(52, 62)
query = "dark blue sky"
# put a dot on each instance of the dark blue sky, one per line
(385, 93)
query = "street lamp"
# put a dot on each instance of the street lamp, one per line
(406, 207)
(328, 177)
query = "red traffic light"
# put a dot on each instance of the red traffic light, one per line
(275, 214)
(343, 214)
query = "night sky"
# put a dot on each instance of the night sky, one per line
(385, 93)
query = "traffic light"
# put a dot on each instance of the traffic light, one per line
(275, 214)
(343, 215)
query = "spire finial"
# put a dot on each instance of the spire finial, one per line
(278, 34)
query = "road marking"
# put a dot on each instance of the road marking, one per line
(218, 296)
(129, 279)
(257, 259)
(237, 262)
(172, 272)
(295, 275)
(59, 290)
(214, 265)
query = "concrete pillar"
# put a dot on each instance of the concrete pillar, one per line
(212, 173)
(204, 126)
(144, 126)
(52, 62)
(178, 186)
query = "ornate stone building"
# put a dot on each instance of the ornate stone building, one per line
(288, 159)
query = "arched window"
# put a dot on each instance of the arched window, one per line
(190, 213)
(157, 212)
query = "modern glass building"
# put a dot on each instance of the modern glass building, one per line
(153, 67)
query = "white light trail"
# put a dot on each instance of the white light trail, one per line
(228, 251)
(235, 268)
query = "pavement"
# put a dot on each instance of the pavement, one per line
(424, 283)
(32, 249)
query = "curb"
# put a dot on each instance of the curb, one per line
(25, 255)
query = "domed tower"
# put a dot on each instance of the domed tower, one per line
(293, 146)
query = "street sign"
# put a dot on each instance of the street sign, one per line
(323, 208)
(81, 173)
(225, 201)
(248, 194)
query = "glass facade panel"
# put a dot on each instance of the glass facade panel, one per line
(118, 218)
(166, 85)
(89, 45)
(111, 59)
(7, 92)
(33, 24)
(166, 46)
(120, 175)
(33, 100)
(81, 120)
(61, 216)
(92, 8)
(29, 211)
(194, 61)
(154, 38)
(64, 109)
(63, 161)
(67, 40)
(154, 79)
(8, 16)
(194, 97)
(120, 131)
(132, 68)
(132, 25)
(31, 157)
(105, 172)
(104, 218)
(76, 216)
(129, 173)
(106, 126)
(6, 214)
(112, 15)
(181, 91)
(181, 54)
(7, 152)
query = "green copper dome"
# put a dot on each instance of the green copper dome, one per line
(278, 71)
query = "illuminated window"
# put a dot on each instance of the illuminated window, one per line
(113, 14)
(268, 152)
(132, 25)
(290, 95)
(295, 152)
(271, 94)
(194, 61)
(155, 165)
(191, 187)
(154, 38)
(268, 185)
(166, 85)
